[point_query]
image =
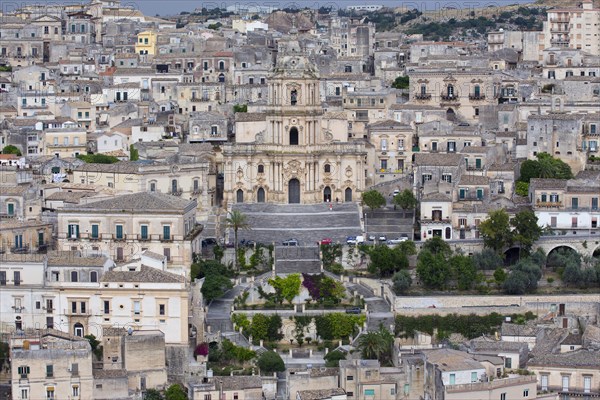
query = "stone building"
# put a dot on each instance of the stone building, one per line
(51, 365)
(290, 154)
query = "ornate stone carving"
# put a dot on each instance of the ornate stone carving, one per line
(349, 172)
(260, 137)
(328, 135)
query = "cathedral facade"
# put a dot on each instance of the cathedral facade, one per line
(293, 152)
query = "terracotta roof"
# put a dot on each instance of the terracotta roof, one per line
(319, 394)
(437, 159)
(139, 202)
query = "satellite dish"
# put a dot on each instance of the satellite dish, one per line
(130, 331)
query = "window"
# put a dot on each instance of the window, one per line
(594, 203)
(82, 305)
(161, 309)
(327, 168)
(587, 384)
(23, 371)
(144, 232)
(261, 169)
(2, 278)
(25, 393)
(447, 178)
(502, 396)
(137, 308)
(166, 232)
(214, 130)
(95, 233)
(207, 397)
(369, 392)
(74, 276)
(508, 362)
(153, 187)
(49, 371)
(544, 382)
(452, 379)
(473, 377)
(526, 393)
(17, 278)
(106, 306)
(565, 383)
(73, 231)
(75, 390)
(479, 194)
(574, 203)
(50, 393)
(383, 144)
(119, 231)
(350, 378)
(235, 396)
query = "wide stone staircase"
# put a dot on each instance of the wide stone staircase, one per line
(275, 223)
(296, 259)
(391, 223)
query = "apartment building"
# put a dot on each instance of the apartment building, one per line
(125, 226)
(573, 27)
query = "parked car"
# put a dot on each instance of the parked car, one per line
(351, 240)
(371, 238)
(396, 192)
(397, 240)
(209, 242)
(382, 238)
(353, 310)
(326, 241)
(247, 243)
(290, 242)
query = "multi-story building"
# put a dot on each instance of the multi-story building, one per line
(361, 379)
(574, 28)
(51, 365)
(125, 226)
(568, 205)
(146, 43)
(68, 141)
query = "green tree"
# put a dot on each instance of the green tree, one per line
(545, 166)
(175, 392)
(516, 283)
(98, 158)
(240, 108)
(496, 231)
(384, 260)
(95, 344)
(333, 358)
(10, 149)
(526, 230)
(487, 260)
(522, 188)
(134, 154)
(401, 282)
(270, 362)
(405, 199)
(436, 245)
(286, 288)
(153, 394)
(237, 220)
(500, 276)
(401, 82)
(215, 286)
(433, 270)
(464, 271)
(373, 199)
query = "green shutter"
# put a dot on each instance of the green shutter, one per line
(95, 231)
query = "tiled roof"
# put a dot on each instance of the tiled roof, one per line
(70, 258)
(474, 180)
(437, 159)
(240, 382)
(145, 274)
(248, 117)
(452, 360)
(143, 201)
(319, 394)
(122, 167)
(539, 183)
(487, 344)
(581, 358)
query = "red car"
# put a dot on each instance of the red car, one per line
(326, 241)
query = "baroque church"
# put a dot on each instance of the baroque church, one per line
(293, 152)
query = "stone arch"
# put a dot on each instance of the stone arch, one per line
(450, 114)
(511, 255)
(348, 195)
(596, 252)
(294, 191)
(552, 261)
(239, 196)
(78, 330)
(327, 194)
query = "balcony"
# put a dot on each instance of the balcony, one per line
(75, 313)
(388, 171)
(548, 204)
(471, 197)
(20, 249)
(421, 96)
(475, 97)
(178, 192)
(560, 20)
(474, 168)
(199, 99)
(164, 238)
(18, 309)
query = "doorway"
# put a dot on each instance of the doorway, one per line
(327, 194)
(294, 191)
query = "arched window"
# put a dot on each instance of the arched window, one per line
(221, 65)
(78, 330)
(153, 186)
(239, 196)
(221, 78)
(327, 168)
(294, 140)
(448, 232)
(174, 186)
(423, 89)
(261, 169)
(450, 91)
(93, 276)
(74, 276)
(293, 97)
(477, 91)
(260, 195)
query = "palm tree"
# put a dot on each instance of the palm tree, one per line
(237, 220)
(377, 345)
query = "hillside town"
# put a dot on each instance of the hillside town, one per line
(257, 204)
